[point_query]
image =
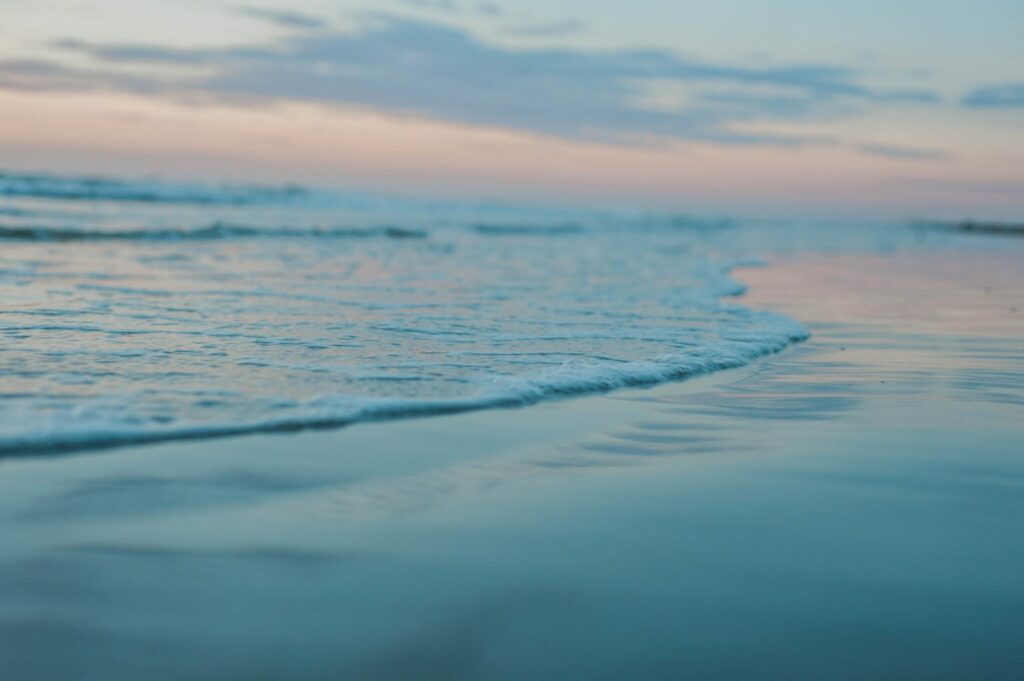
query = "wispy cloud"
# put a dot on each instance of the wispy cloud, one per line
(415, 67)
(996, 96)
(434, 5)
(490, 9)
(551, 29)
(993, 188)
(129, 52)
(903, 153)
(283, 18)
(36, 75)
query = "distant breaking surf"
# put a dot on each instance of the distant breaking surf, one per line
(103, 189)
(214, 231)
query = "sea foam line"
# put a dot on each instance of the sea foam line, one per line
(326, 412)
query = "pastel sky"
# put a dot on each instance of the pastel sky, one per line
(897, 108)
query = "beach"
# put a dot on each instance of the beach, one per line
(849, 508)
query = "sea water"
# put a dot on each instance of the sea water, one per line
(848, 511)
(134, 311)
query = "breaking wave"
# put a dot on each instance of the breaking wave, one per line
(211, 232)
(335, 411)
(103, 189)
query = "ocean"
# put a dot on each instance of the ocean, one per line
(140, 311)
(848, 508)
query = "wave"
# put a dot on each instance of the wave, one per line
(975, 227)
(571, 379)
(495, 229)
(103, 189)
(698, 223)
(215, 231)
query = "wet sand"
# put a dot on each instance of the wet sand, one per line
(852, 508)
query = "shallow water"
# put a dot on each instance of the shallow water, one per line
(137, 311)
(851, 509)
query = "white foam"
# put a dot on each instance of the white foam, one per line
(87, 426)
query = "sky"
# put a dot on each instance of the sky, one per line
(903, 108)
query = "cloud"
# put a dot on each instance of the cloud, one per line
(549, 30)
(283, 18)
(490, 9)
(903, 153)
(412, 67)
(134, 53)
(1004, 95)
(994, 188)
(434, 5)
(45, 76)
